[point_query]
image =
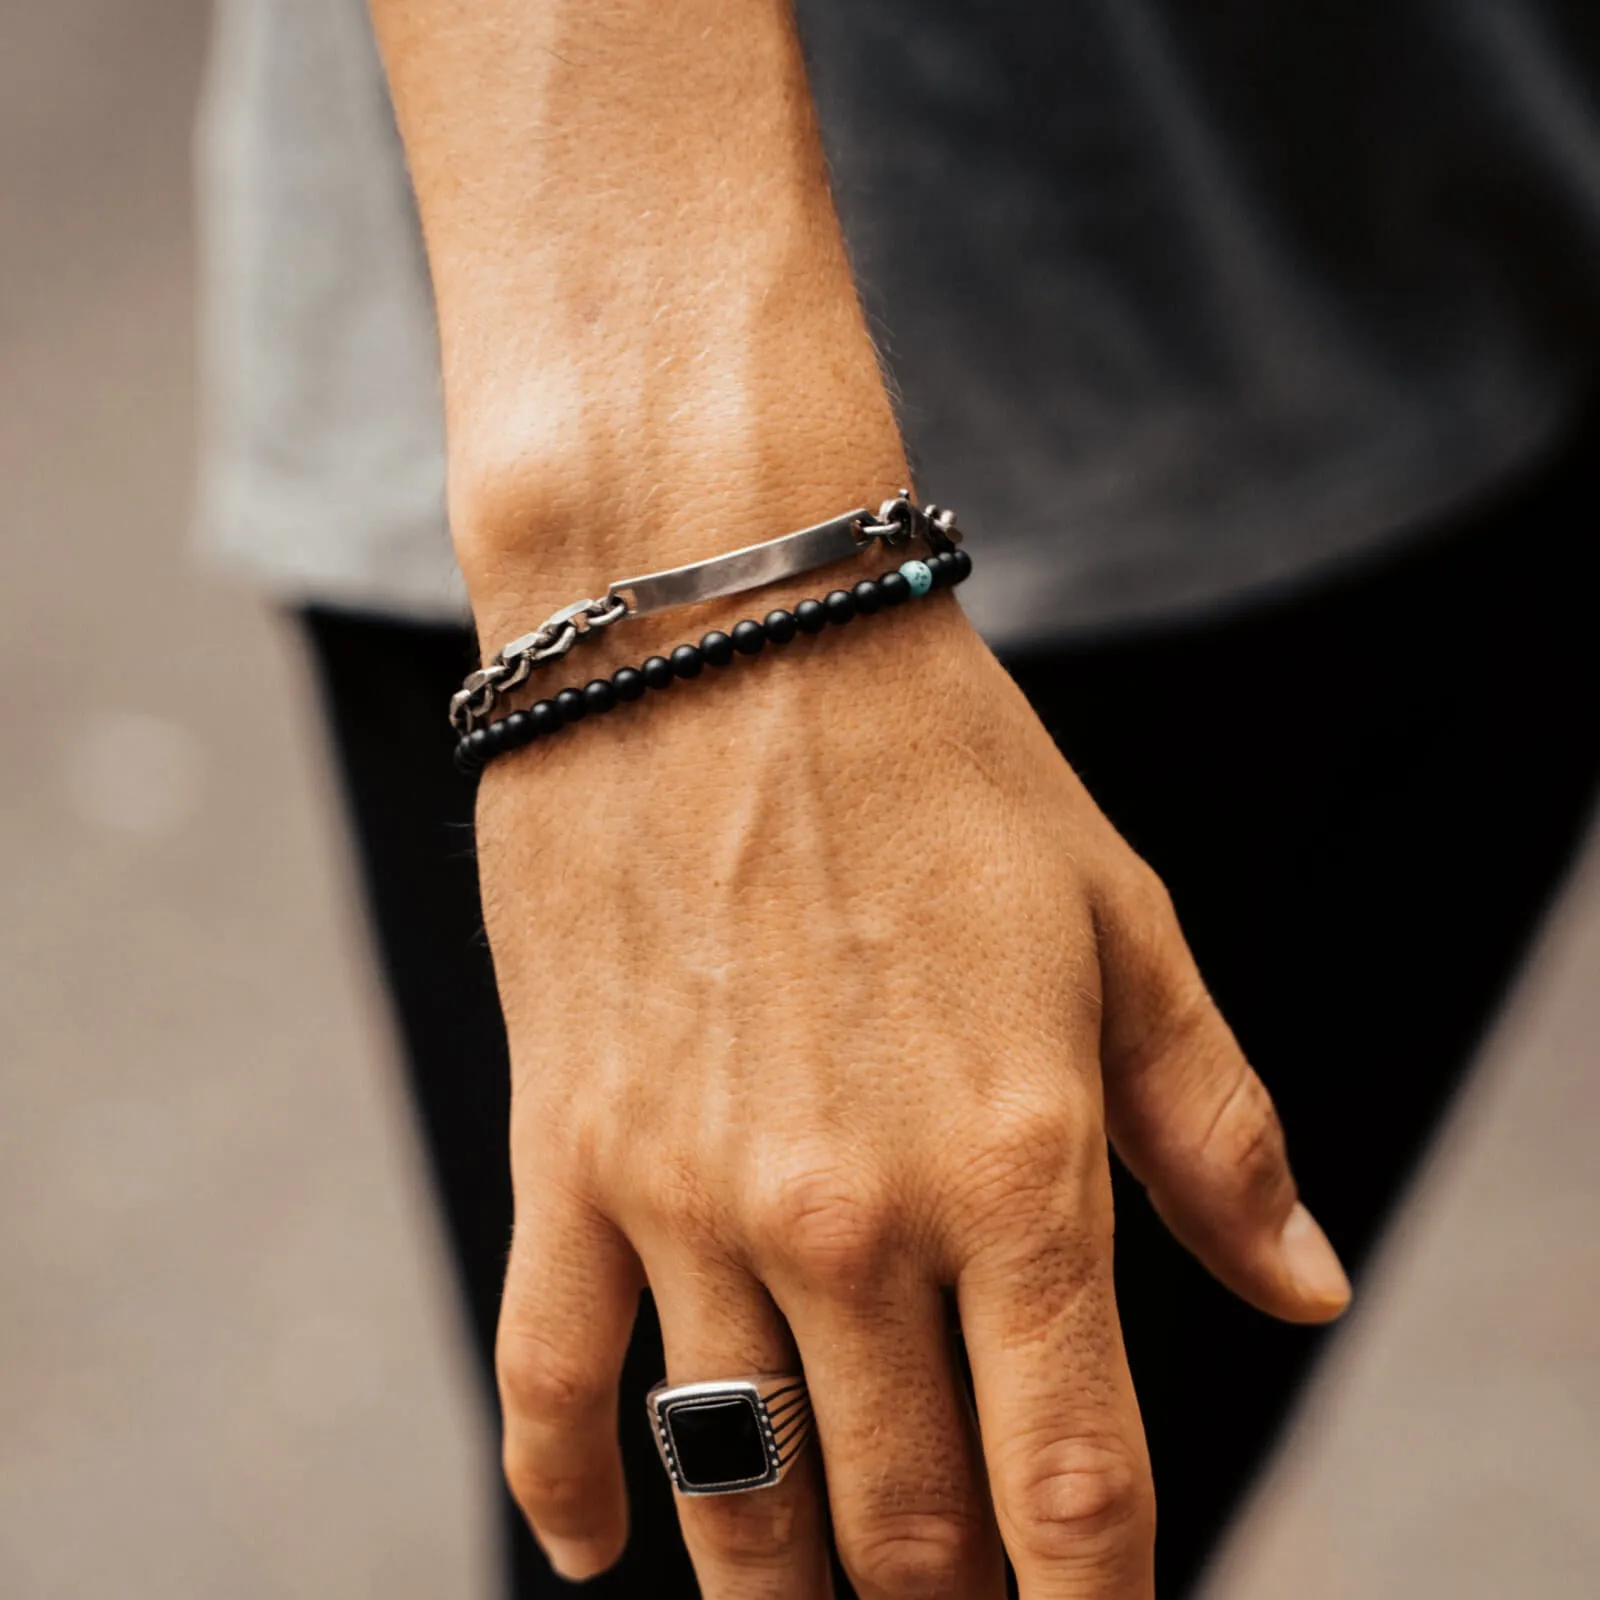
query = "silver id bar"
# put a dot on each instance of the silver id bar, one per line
(749, 568)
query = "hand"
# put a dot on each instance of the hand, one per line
(825, 982)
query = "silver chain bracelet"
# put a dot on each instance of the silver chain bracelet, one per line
(753, 567)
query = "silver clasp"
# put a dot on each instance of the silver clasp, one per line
(900, 520)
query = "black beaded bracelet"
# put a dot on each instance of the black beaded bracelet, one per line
(908, 581)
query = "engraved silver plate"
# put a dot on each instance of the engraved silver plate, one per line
(751, 567)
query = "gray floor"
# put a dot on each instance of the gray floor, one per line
(228, 1366)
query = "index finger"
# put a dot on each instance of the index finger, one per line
(1062, 1439)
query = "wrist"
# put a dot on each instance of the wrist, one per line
(840, 699)
(826, 557)
(543, 532)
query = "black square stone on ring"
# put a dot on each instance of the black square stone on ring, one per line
(723, 1438)
(717, 1443)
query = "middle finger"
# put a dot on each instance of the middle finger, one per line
(910, 1505)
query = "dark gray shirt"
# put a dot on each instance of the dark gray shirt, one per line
(1186, 304)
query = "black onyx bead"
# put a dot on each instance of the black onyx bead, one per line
(779, 626)
(628, 682)
(687, 661)
(939, 566)
(516, 731)
(657, 672)
(570, 704)
(494, 737)
(467, 764)
(894, 589)
(544, 716)
(960, 565)
(717, 648)
(749, 637)
(598, 695)
(868, 597)
(810, 616)
(840, 606)
(478, 745)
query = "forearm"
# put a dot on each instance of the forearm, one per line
(652, 345)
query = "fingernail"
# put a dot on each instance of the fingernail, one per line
(1312, 1262)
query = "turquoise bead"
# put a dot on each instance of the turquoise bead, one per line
(918, 574)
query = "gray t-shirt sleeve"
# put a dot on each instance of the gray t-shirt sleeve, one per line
(322, 459)
(1185, 305)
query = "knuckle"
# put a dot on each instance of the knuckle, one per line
(1148, 898)
(1080, 1499)
(1246, 1141)
(833, 1224)
(544, 1382)
(675, 1196)
(1173, 1013)
(1183, 1024)
(1033, 1144)
(754, 1530)
(555, 1501)
(914, 1553)
(1029, 1154)
(1144, 914)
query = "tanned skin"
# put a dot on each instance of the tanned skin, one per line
(826, 982)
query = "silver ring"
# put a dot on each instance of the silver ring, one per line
(730, 1436)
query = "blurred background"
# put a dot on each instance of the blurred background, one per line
(228, 1361)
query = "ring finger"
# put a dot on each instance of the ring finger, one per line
(718, 1323)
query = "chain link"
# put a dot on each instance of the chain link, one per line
(512, 665)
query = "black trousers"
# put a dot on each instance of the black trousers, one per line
(1362, 800)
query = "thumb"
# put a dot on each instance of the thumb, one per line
(1194, 1123)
